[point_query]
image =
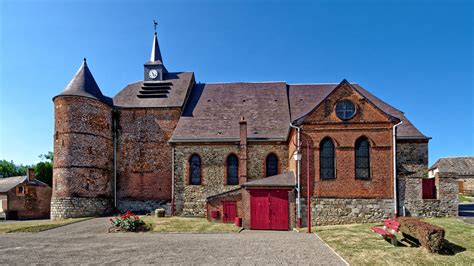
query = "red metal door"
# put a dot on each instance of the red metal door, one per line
(269, 209)
(259, 210)
(230, 211)
(279, 210)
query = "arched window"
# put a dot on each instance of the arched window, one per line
(195, 170)
(232, 170)
(362, 158)
(271, 165)
(327, 159)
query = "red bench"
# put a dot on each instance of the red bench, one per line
(389, 229)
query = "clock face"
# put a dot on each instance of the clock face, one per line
(153, 73)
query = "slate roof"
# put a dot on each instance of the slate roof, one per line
(213, 111)
(84, 84)
(181, 83)
(305, 97)
(281, 180)
(459, 165)
(8, 183)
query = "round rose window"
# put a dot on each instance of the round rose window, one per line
(345, 110)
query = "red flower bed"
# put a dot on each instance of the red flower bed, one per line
(128, 222)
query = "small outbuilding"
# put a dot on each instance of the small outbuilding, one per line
(462, 167)
(262, 204)
(24, 197)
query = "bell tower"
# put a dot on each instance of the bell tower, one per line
(154, 69)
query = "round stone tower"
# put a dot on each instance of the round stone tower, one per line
(83, 150)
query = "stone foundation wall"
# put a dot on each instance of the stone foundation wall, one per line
(329, 211)
(142, 206)
(190, 200)
(71, 207)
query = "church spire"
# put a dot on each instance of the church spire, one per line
(154, 69)
(155, 50)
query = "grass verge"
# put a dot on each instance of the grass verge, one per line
(187, 225)
(35, 226)
(463, 198)
(360, 246)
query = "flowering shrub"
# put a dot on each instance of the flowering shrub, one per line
(128, 221)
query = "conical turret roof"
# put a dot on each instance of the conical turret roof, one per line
(83, 84)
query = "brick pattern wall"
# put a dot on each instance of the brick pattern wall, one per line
(83, 152)
(190, 200)
(35, 204)
(144, 157)
(368, 122)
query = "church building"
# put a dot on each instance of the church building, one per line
(242, 150)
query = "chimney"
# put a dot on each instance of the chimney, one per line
(243, 151)
(31, 174)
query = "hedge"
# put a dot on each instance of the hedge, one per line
(429, 236)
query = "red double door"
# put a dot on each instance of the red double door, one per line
(269, 209)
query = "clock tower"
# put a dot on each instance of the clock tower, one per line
(154, 69)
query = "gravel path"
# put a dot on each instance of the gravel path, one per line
(88, 242)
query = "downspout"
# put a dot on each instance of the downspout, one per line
(172, 180)
(114, 121)
(394, 143)
(298, 172)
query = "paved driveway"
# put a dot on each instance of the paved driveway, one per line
(88, 242)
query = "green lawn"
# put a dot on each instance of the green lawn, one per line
(187, 225)
(463, 198)
(35, 226)
(360, 246)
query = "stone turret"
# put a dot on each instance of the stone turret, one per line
(83, 149)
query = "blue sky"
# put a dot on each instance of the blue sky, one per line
(416, 55)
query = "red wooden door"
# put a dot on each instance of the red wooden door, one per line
(259, 210)
(230, 211)
(269, 209)
(279, 210)
(429, 188)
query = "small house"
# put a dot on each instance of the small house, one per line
(24, 197)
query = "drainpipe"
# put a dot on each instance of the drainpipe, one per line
(308, 190)
(172, 180)
(298, 171)
(114, 121)
(395, 198)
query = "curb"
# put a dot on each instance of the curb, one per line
(347, 263)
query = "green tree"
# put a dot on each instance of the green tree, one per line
(44, 169)
(9, 168)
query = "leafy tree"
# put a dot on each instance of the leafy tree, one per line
(44, 169)
(8, 169)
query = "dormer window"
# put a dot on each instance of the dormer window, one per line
(20, 191)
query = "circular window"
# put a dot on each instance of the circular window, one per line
(345, 110)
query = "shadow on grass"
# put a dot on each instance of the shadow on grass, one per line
(448, 249)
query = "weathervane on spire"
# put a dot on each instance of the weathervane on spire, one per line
(156, 24)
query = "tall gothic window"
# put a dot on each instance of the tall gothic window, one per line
(327, 159)
(232, 170)
(271, 165)
(195, 170)
(362, 158)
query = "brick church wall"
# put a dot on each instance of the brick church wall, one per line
(346, 199)
(190, 200)
(144, 157)
(83, 157)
